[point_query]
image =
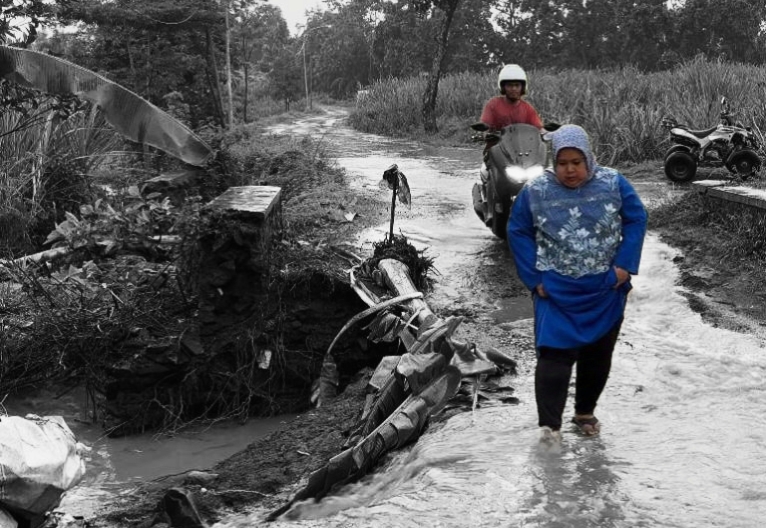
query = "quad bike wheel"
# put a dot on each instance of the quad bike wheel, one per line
(680, 167)
(744, 163)
(676, 148)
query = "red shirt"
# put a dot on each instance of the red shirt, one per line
(499, 112)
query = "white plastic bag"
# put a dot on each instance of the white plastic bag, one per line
(6, 521)
(39, 460)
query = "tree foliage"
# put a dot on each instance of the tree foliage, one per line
(21, 19)
(153, 47)
(648, 34)
(161, 47)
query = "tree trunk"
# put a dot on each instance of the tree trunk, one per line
(213, 80)
(230, 97)
(244, 110)
(432, 87)
(400, 282)
(130, 59)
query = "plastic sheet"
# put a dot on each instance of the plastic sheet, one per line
(39, 460)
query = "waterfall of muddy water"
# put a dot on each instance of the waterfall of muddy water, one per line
(681, 446)
(113, 462)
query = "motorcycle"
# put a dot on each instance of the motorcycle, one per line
(513, 156)
(729, 144)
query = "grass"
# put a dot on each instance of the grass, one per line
(735, 233)
(621, 109)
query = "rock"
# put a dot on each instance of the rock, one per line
(200, 478)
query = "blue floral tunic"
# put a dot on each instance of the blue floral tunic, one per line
(570, 240)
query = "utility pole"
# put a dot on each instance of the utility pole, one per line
(305, 74)
(305, 67)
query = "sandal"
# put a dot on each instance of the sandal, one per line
(587, 426)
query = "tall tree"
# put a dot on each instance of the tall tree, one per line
(338, 52)
(473, 39)
(447, 8)
(285, 77)
(730, 29)
(259, 36)
(154, 47)
(534, 32)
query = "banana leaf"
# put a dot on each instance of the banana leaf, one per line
(467, 358)
(385, 327)
(404, 425)
(430, 338)
(420, 369)
(390, 396)
(132, 116)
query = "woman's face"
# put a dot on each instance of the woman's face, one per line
(571, 168)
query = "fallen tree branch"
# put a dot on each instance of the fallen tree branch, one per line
(42, 256)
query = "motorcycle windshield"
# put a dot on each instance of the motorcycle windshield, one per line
(522, 145)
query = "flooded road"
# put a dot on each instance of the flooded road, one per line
(683, 430)
(441, 220)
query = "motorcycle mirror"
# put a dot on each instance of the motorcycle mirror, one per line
(551, 127)
(479, 127)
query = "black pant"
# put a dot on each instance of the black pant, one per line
(554, 370)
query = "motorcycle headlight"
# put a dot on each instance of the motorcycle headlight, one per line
(521, 174)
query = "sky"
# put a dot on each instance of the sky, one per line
(294, 11)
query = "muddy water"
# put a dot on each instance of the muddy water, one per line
(683, 429)
(682, 443)
(114, 462)
(440, 221)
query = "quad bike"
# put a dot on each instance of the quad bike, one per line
(512, 157)
(729, 144)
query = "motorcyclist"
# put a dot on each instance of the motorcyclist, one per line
(510, 108)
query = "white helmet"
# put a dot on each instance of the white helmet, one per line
(512, 72)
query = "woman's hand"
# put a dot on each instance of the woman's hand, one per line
(541, 291)
(623, 276)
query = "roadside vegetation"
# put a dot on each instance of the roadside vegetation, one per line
(620, 108)
(727, 237)
(113, 262)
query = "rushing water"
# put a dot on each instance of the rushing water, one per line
(681, 446)
(683, 430)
